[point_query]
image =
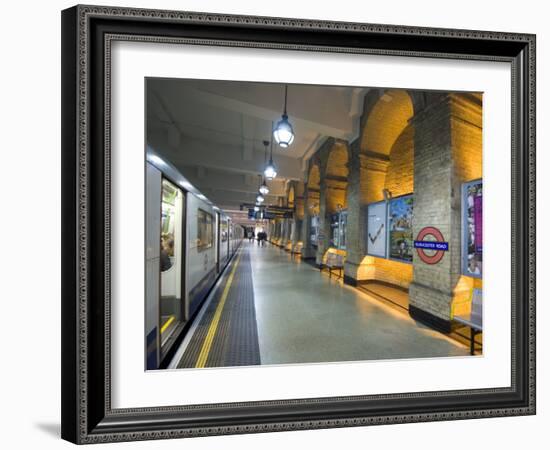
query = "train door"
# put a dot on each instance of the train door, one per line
(171, 313)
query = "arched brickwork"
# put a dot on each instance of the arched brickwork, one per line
(386, 120)
(299, 200)
(400, 176)
(336, 177)
(291, 197)
(313, 188)
(387, 152)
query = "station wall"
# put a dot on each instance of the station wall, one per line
(425, 144)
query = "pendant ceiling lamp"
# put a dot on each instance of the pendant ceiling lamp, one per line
(259, 198)
(270, 172)
(283, 132)
(264, 190)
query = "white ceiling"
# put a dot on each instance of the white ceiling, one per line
(219, 126)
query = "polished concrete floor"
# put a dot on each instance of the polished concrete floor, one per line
(305, 316)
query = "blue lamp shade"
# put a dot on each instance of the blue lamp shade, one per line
(283, 132)
(270, 171)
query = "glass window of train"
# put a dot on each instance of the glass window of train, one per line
(205, 230)
(223, 231)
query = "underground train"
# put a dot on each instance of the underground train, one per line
(189, 242)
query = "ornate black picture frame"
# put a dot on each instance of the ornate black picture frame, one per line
(87, 34)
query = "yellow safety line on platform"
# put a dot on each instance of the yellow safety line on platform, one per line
(207, 344)
(167, 324)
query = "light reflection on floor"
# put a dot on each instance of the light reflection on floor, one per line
(305, 316)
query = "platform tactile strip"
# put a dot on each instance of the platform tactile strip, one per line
(235, 342)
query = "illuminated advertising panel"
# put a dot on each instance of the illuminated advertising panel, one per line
(400, 228)
(376, 229)
(472, 228)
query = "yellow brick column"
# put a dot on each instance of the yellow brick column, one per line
(366, 173)
(447, 140)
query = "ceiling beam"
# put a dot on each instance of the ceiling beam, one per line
(248, 137)
(197, 152)
(224, 197)
(230, 181)
(189, 94)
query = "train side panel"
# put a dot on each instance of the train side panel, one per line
(238, 234)
(223, 241)
(201, 256)
(152, 265)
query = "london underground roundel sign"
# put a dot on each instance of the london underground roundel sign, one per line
(438, 246)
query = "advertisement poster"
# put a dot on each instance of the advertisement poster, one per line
(343, 227)
(400, 225)
(335, 230)
(473, 201)
(314, 230)
(376, 229)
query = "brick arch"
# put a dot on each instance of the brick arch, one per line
(314, 176)
(336, 176)
(387, 162)
(291, 195)
(400, 175)
(299, 199)
(337, 163)
(389, 115)
(313, 187)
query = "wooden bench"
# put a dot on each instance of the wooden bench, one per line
(334, 261)
(474, 320)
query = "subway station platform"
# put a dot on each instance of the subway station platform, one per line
(268, 308)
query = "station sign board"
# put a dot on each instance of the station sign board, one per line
(437, 246)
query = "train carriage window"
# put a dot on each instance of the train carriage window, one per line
(223, 231)
(205, 230)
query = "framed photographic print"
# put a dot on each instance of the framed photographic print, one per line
(218, 169)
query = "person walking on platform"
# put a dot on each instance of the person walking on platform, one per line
(250, 236)
(262, 237)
